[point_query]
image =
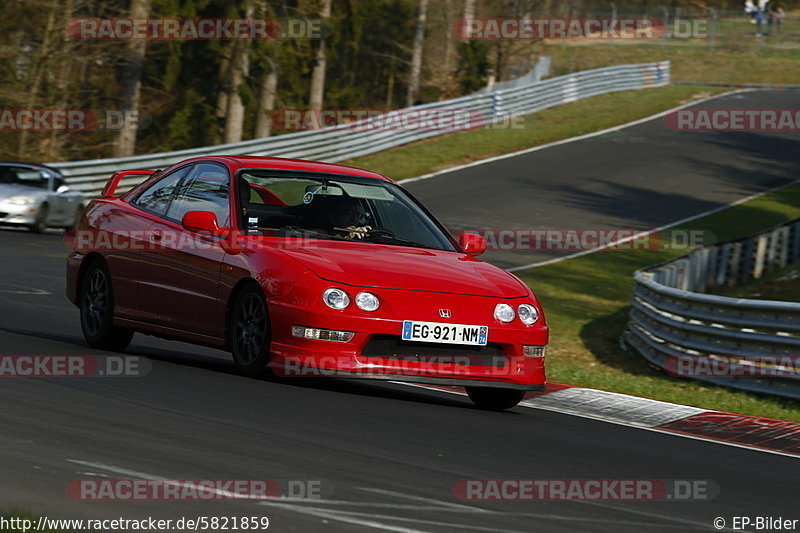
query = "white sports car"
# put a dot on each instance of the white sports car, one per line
(37, 197)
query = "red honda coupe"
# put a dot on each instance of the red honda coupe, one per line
(303, 269)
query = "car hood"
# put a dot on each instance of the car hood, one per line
(400, 267)
(7, 190)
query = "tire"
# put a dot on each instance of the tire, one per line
(249, 332)
(40, 224)
(493, 399)
(96, 304)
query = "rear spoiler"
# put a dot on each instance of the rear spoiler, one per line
(116, 177)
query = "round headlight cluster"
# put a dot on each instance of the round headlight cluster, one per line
(366, 301)
(528, 314)
(338, 299)
(504, 312)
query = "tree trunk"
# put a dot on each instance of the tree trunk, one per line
(221, 109)
(266, 102)
(317, 91)
(125, 144)
(240, 69)
(469, 13)
(37, 74)
(416, 54)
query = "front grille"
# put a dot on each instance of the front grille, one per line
(3, 215)
(393, 347)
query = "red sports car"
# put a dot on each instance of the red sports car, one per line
(303, 269)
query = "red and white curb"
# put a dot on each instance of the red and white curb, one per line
(743, 431)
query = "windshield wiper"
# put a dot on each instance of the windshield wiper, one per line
(313, 232)
(385, 233)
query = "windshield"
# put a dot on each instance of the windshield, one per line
(338, 207)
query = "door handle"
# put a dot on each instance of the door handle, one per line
(157, 236)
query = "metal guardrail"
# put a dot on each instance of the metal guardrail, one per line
(345, 142)
(672, 320)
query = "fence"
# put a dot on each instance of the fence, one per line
(345, 142)
(672, 321)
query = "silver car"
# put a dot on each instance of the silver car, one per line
(37, 197)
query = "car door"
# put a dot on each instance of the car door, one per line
(68, 203)
(130, 229)
(179, 276)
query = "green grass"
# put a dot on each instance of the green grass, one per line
(783, 285)
(586, 301)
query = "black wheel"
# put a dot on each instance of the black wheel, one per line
(40, 224)
(97, 311)
(493, 399)
(249, 332)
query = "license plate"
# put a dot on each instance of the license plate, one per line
(444, 333)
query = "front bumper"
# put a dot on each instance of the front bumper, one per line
(18, 214)
(500, 364)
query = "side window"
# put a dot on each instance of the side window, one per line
(156, 198)
(206, 189)
(30, 177)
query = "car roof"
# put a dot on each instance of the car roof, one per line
(279, 163)
(32, 165)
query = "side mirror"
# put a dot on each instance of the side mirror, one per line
(201, 222)
(62, 189)
(472, 243)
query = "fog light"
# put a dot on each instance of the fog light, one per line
(504, 313)
(322, 334)
(534, 351)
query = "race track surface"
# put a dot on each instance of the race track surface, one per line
(637, 178)
(389, 455)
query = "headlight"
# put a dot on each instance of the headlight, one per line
(528, 314)
(504, 313)
(22, 200)
(366, 301)
(336, 299)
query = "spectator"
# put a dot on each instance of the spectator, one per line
(780, 15)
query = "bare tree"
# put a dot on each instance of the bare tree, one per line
(416, 54)
(317, 91)
(266, 101)
(240, 70)
(125, 144)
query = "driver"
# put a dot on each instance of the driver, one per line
(347, 218)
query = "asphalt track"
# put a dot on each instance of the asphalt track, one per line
(636, 178)
(388, 455)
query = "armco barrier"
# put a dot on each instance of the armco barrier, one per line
(671, 318)
(343, 142)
